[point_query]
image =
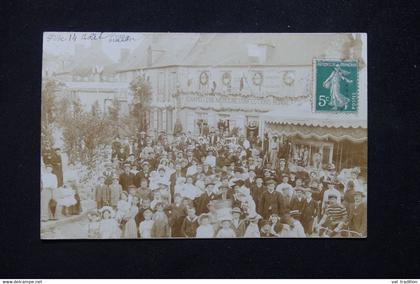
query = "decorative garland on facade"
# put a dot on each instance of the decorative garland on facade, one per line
(204, 78)
(226, 79)
(289, 78)
(247, 96)
(356, 135)
(257, 79)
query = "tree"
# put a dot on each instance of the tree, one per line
(95, 109)
(49, 94)
(142, 94)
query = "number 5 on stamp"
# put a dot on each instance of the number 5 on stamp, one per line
(335, 85)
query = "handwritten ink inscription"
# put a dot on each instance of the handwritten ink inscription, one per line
(92, 36)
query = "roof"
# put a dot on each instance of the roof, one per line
(92, 57)
(167, 49)
(302, 115)
(213, 49)
(97, 85)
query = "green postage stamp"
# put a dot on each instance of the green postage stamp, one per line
(335, 85)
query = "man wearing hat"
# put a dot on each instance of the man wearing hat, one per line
(298, 201)
(309, 212)
(257, 191)
(358, 214)
(330, 174)
(296, 229)
(57, 166)
(335, 217)
(282, 169)
(271, 201)
(331, 190)
(145, 172)
(201, 202)
(141, 141)
(126, 178)
(108, 174)
(102, 193)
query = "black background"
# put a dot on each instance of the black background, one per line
(392, 247)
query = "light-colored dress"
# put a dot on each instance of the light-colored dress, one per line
(252, 231)
(109, 229)
(205, 231)
(145, 229)
(122, 210)
(93, 230)
(48, 192)
(226, 233)
(130, 230)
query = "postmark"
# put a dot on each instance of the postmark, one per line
(335, 85)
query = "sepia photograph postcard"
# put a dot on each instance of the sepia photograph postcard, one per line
(203, 135)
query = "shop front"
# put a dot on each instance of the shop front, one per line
(318, 139)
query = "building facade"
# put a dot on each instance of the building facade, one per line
(210, 80)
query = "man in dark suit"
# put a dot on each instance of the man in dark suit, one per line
(201, 202)
(297, 202)
(126, 178)
(57, 166)
(271, 201)
(358, 214)
(257, 189)
(145, 172)
(309, 212)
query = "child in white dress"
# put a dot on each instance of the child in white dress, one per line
(205, 230)
(145, 227)
(108, 227)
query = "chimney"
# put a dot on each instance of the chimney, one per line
(149, 56)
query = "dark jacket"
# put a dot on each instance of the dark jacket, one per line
(189, 227)
(271, 203)
(126, 180)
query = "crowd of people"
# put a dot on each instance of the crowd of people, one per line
(156, 186)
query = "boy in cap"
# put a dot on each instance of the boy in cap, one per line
(190, 224)
(238, 225)
(309, 212)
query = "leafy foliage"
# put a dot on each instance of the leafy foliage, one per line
(142, 94)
